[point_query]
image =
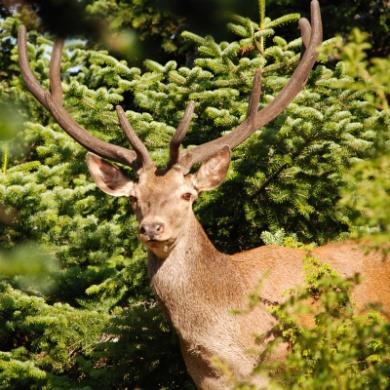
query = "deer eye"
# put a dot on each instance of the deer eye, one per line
(187, 196)
(133, 199)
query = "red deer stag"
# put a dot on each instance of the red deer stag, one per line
(196, 284)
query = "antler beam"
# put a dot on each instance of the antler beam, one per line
(53, 102)
(55, 71)
(312, 38)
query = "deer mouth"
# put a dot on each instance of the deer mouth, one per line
(155, 241)
(159, 247)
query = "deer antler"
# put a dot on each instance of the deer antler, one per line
(312, 38)
(53, 102)
(142, 153)
(179, 135)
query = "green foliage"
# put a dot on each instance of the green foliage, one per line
(142, 16)
(368, 194)
(369, 74)
(41, 342)
(341, 16)
(31, 268)
(165, 19)
(138, 351)
(97, 325)
(9, 121)
(368, 186)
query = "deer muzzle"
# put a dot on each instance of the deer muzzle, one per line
(151, 230)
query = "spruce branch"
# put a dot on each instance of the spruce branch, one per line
(274, 175)
(262, 24)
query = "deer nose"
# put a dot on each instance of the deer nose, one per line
(152, 230)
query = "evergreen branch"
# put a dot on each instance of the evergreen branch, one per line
(262, 18)
(285, 165)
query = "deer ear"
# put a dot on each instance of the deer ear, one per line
(109, 178)
(212, 172)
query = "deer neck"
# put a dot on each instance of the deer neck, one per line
(192, 279)
(191, 253)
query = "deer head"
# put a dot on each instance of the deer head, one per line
(162, 200)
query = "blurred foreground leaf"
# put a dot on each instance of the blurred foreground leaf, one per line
(31, 267)
(10, 121)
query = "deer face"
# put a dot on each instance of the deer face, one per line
(162, 203)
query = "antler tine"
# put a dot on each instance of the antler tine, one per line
(53, 102)
(305, 28)
(254, 99)
(179, 135)
(55, 71)
(32, 83)
(143, 156)
(280, 102)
